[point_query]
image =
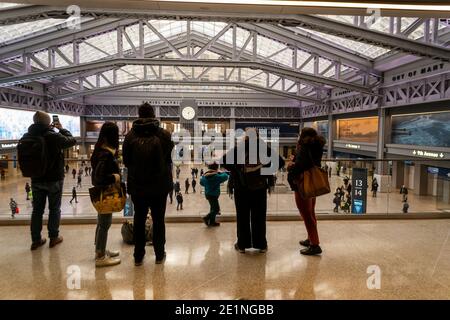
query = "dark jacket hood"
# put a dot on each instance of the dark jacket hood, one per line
(38, 129)
(145, 126)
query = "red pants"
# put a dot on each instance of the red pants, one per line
(307, 211)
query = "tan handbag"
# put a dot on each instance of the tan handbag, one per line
(108, 199)
(313, 182)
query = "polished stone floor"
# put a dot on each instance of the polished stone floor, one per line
(412, 255)
(279, 203)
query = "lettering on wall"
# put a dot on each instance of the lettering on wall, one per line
(418, 72)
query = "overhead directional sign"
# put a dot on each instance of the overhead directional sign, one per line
(428, 154)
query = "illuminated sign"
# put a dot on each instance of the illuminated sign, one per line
(359, 190)
(428, 154)
(8, 145)
(352, 146)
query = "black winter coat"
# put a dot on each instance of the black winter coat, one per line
(142, 179)
(104, 166)
(55, 143)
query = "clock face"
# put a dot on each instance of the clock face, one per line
(188, 113)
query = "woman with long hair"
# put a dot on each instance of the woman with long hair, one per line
(309, 154)
(105, 172)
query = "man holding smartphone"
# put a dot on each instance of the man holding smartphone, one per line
(41, 158)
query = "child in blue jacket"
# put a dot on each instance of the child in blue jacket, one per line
(212, 180)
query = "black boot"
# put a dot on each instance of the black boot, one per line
(311, 250)
(305, 243)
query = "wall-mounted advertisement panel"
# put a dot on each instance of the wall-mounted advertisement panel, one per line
(14, 123)
(93, 127)
(358, 129)
(320, 126)
(423, 129)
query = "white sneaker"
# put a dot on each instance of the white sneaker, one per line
(106, 262)
(113, 253)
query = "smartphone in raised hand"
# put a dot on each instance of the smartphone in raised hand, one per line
(55, 119)
(56, 122)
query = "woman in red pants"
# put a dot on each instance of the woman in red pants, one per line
(309, 154)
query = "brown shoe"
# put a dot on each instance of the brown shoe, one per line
(38, 244)
(55, 241)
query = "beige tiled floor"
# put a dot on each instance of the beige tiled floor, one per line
(196, 204)
(413, 256)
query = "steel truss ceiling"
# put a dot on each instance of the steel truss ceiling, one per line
(294, 56)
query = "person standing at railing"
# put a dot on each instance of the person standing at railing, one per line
(309, 154)
(212, 180)
(106, 172)
(45, 166)
(147, 151)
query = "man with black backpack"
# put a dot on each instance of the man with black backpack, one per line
(147, 155)
(40, 153)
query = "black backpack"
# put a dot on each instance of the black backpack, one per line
(151, 166)
(32, 156)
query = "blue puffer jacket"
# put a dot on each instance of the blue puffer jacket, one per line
(211, 180)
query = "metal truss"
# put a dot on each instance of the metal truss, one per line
(21, 100)
(435, 88)
(204, 112)
(354, 103)
(358, 32)
(31, 101)
(425, 90)
(314, 111)
(65, 107)
(282, 93)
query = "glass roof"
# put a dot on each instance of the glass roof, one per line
(382, 24)
(268, 50)
(17, 31)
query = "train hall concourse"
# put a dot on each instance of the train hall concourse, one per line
(224, 150)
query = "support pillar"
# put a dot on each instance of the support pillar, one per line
(398, 174)
(420, 179)
(331, 135)
(381, 172)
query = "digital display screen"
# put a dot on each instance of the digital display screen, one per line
(423, 129)
(15, 123)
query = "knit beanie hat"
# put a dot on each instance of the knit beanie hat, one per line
(41, 117)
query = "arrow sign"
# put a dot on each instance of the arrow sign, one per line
(414, 152)
(441, 155)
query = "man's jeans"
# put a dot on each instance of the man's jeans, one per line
(42, 191)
